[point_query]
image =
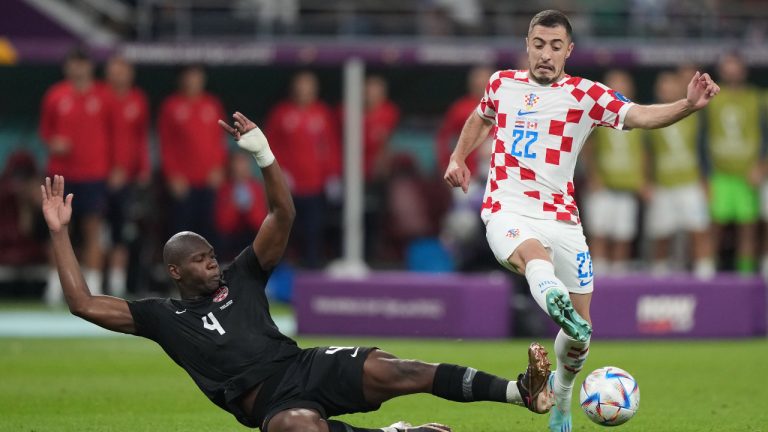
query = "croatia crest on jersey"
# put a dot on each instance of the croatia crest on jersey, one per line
(530, 100)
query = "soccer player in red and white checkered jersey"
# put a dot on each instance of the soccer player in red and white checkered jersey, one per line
(532, 221)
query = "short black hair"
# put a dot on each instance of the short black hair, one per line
(552, 18)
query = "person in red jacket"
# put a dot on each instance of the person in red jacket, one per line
(380, 119)
(240, 206)
(310, 154)
(379, 122)
(193, 150)
(457, 114)
(130, 162)
(74, 125)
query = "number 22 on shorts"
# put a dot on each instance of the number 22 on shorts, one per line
(585, 273)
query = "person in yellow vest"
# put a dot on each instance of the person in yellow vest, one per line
(678, 201)
(734, 141)
(615, 161)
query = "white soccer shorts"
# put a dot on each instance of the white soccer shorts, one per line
(565, 243)
(680, 208)
(611, 214)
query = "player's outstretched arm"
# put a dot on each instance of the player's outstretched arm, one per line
(112, 313)
(272, 238)
(701, 90)
(472, 135)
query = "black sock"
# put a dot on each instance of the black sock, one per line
(463, 384)
(337, 426)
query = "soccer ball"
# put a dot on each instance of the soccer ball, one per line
(610, 396)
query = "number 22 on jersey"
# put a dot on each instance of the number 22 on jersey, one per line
(524, 134)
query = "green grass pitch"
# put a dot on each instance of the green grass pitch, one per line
(128, 384)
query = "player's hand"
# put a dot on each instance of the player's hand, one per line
(57, 209)
(457, 174)
(701, 90)
(241, 126)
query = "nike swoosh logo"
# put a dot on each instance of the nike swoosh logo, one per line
(585, 283)
(522, 113)
(180, 312)
(354, 354)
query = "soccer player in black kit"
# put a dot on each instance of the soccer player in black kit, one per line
(220, 330)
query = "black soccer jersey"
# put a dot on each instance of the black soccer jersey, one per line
(228, 342)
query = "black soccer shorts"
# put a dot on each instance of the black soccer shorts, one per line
(328, 380)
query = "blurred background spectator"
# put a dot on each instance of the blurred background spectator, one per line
(22, 233)
(131, 170)
(157, 163)
(616, 166)
(307, 145)
(735, 141)
(240, 206)
(193, 151)
(379, 122)
(74, 124)
(678, 200)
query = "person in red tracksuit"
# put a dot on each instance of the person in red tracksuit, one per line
(310, 155)
(74, 125)
(240, 206)
(379, 122)
(193, 150)
(130, 162)
(457, 114)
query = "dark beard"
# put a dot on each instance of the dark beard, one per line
(543, 80)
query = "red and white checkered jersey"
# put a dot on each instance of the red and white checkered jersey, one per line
(541, 129)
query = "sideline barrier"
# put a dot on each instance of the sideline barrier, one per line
(679, 306)
(478, 306)
(404, 304)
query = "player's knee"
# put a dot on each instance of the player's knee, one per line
(296, 420)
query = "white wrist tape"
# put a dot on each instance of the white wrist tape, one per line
(257, 145)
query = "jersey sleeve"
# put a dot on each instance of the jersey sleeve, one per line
(606, 106)
(488, 104)
(145, 317)
(248, 263)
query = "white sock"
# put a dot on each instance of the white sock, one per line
(53, 296)
(541, 279)
(704, 268)
(117, 282)
(571, 355)
(93, 278)
(513, 394)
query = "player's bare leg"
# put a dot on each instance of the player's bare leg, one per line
(533, 260)
(386, 376)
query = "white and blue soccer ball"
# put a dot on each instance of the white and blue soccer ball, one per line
(610, 396)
